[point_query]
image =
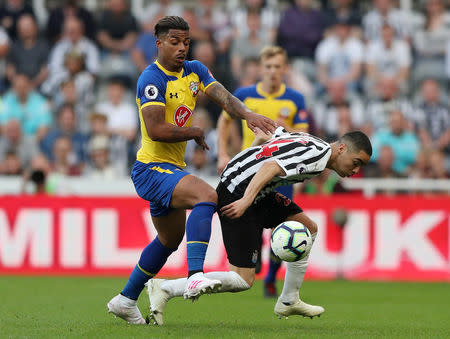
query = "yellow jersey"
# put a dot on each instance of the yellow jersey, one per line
(287, 104)
(177, 92)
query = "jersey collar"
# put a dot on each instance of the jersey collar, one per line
(278, 93)
(174, 74)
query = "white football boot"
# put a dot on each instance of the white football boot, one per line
(158, 301)
(297, 308)
(126, 309)
(197, 285)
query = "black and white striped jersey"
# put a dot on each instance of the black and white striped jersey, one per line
(300, 155)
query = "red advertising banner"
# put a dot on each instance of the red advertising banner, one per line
(389, 238)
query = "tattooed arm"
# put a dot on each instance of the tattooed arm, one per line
(237, 109)
(160, 130)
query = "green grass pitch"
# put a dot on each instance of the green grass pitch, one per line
(63, 307)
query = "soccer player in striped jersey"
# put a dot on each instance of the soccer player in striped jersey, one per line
(166, 95)
(247, 203)
(272, 98)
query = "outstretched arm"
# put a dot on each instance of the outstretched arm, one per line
(158, 129)
(266, 173)
(237, 109)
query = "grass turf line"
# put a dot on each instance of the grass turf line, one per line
(61, 307)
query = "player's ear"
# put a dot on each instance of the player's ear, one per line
(342, 148)
(158, 43)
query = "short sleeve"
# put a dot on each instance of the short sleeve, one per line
(151, 89)
(301, 118)
(204, 74)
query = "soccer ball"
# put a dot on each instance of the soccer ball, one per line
(291, 241)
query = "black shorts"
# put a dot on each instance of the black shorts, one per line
(242, 236)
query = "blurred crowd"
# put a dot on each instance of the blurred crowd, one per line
(67, 85)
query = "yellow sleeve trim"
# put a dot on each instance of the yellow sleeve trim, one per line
(227, 116)
(301, 125)
(204, 89)
(153, 103)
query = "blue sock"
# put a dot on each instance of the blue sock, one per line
(198, 232)
(274, 266)
(153, 258)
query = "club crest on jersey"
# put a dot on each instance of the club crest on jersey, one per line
(150, 92)
(303, 115)
(194, 87)
(182, 115)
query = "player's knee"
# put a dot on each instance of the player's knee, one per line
(171, 240)
(208, 195)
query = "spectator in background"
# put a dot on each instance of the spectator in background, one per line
(249, 45)
(388, 57)
(63, 158)
(421, 168)
(121, 114)
(268, 14)
(118, 28)
(12, 165)
(67, 126)
(117, 34)
(339, 57)
(384, 11)
(205, 53)
(250, 72)
(27, 106)
(345, 10)
(403, 142)
(117, 147)
(437, 165)
(300, 31)
(29, 53)
(122, 120)
(433, 118)
(328, 111)
(10, 12)
(157, 10)
(197, 32)
(81, 99)
(100, 166)
(384, 167)
(387, 99)
(144, 51)
(73, 40)
(69, 9)
(13, 140)
(430, 43)
(4, 49)
(326, 183)
(214, 20)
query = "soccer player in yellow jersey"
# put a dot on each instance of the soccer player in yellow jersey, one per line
(166, 94)
(272, 98)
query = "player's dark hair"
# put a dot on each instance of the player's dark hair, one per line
(167, 23)
(357, 141)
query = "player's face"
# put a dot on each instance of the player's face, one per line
(349, 163)
(173, 48)
(273, 70)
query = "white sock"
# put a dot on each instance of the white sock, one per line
(293, 279)
(231, 282)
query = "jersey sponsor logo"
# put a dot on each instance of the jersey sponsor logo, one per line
(271, 147)
(194, 87)
(150, 92)
(181, 116)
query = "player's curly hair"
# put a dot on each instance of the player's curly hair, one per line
(357, 141)
(163, 26)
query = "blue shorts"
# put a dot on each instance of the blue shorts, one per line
(155, 183)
